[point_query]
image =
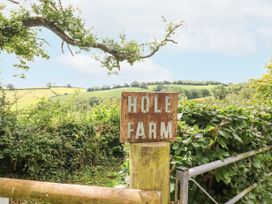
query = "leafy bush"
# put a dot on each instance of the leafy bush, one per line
(220, 92)
(53, 141)
(263, 86)
(208, 133)
(49, 142)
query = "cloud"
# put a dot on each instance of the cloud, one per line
(229, 27)
(143, 71)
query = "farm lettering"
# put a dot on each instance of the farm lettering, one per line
(148, 116)
(165, 132)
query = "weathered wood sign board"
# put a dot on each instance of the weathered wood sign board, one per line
(148, 117)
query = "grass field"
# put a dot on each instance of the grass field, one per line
(98, 94)
(117, 92)
(30, 96)
(26, 97)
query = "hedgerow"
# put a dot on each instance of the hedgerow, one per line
(57, 142)
(51, 142)
(208, 133)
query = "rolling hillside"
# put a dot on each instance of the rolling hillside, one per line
(30, 96)
(117, 92)
(98, 94)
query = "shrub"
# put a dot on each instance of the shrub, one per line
(49, 142)
(220, 92)
(208, 133)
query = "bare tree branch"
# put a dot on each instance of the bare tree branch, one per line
(70, 49)
(45, 41)
(62, 44)
(164, 41)
(60, 4)
(12, 1)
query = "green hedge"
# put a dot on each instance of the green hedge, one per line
(208, 133)
(50, 141)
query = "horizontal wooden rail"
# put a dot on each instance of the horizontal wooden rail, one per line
(70, 193)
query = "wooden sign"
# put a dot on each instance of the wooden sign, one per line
(148, 117)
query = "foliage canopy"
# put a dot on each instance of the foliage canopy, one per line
(20, 28)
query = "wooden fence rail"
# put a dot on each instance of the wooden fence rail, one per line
(70, 193)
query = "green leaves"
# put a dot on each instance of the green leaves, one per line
(210, 132)
(50, 141)
(18, 37)
(257, 163)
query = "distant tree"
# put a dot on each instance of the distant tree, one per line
(105, 87)
(69, 86)
(135, 84)
(90, 89)
(126, 85)
(159, 88)
(96, 88)
(196, 93)
(49, 85)
(205, 92)
(143, 85)
(188, 94)
(220, 92)
(10, 87)
(116, 86)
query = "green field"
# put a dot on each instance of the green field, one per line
(98, 94)
(30, 96)
(117, 92)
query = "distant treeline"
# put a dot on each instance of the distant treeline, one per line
(146, 84)
(48, 86)
(188, 93)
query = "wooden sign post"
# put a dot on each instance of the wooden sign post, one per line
(148, 122)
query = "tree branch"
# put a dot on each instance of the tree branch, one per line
(45, 41)
(12, 1)
(42, 22)
(164, 41)
(62, 49)
(118, 55)
(70, 49)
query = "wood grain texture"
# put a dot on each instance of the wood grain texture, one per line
(148, 117)
(150, 168)
(76, 194)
